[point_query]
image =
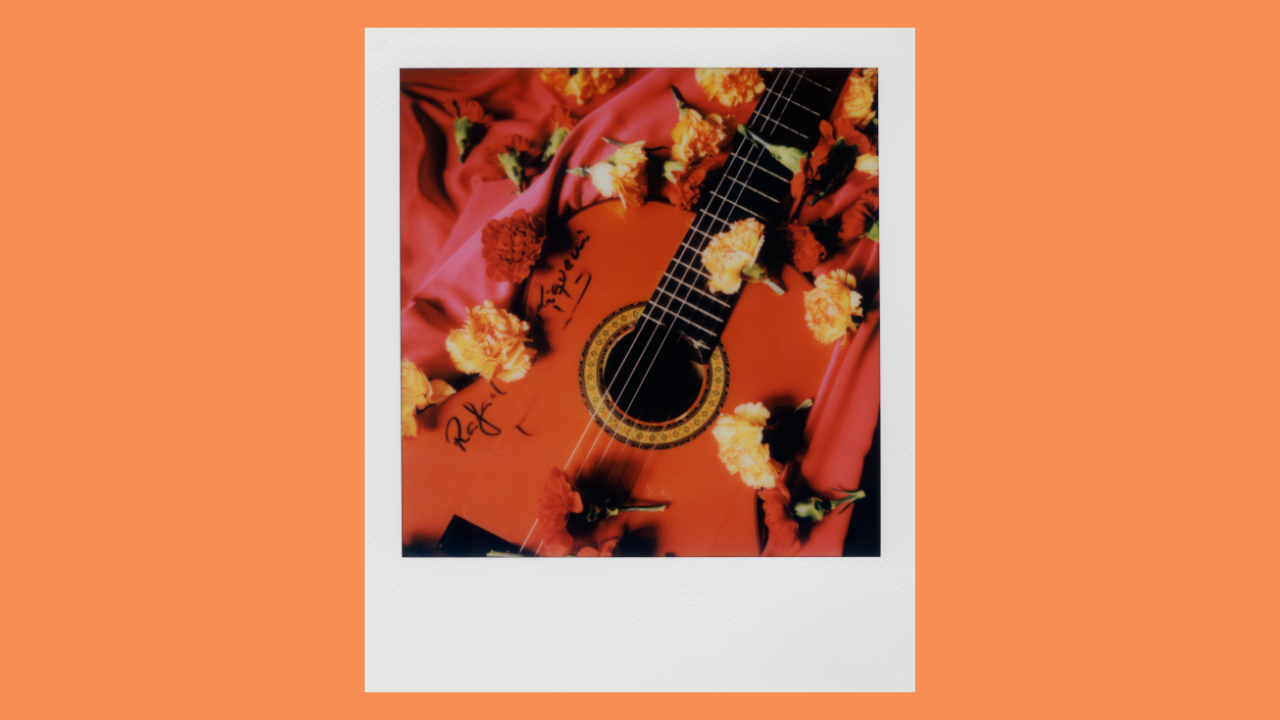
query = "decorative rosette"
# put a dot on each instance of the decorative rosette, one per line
(730, 86)
(581, 85)
(491, 344)
(417, 392)
(622, 175)
(512, 245)
(833, 308)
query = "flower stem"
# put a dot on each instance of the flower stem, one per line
(642, 508)
(774, 286)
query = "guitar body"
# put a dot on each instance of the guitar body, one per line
(485, 453)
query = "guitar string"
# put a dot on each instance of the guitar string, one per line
(743, 182)
(712, 216)
(595, 412)
(649, 340)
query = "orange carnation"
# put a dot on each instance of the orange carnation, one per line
(555, 503)
(583, 84)
(512, 245)
(685, 186)
(605, 549)
(731, 255)
(806, 251)
(622, 175)
(491, 344)
(730, 86)
(857, 98)
(861, 217)
(739, 439)
(694, 136)
(831, 306)
(417, 392)
(784, 540)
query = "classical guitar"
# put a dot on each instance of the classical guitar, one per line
(636, 358)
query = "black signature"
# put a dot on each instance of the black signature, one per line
(461, 435)
(549, 297)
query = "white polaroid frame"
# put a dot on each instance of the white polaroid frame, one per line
(639, 624)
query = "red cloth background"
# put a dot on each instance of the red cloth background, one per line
(444, 205)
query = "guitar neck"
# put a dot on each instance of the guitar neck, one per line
(752, 184)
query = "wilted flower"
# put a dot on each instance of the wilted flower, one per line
(831, 306)
(513, 157)
(806, 251)
(465, 119)
(862, 218)
(730, 86)
(512, 245)
(623, 174)
(417, 393)
(741, 450)
(731, 255)
(582, 85)
(491, 344)
(562, 123)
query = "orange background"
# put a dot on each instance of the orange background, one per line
(183, 389)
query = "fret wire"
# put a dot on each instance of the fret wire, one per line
(695, 307)
(763, 195)
(824, 87)
(696, 270)
(678, 316)
(732, 173)
(695, 288)
(740, 207)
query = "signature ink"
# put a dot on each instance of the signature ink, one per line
(462, 435)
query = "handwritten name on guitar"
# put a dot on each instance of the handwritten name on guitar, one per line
(549, 297)
(459, 434)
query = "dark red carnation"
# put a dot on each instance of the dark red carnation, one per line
(556, 501)
(860, 216)
(783, 540)
(811, 167)
(687, 188)
(512, 245)
(806, 251)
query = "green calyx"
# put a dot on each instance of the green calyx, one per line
(512, 167)
(790, 157)
(462, 136)
(814, 509)
(554, 143)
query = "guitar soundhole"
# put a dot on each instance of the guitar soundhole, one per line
(648, 388)
(653, 377)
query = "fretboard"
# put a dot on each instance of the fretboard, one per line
(752, 184)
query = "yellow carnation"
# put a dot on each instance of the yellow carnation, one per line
(829, 308)
(730, 86)
(417, 393)
(491, 344)
(696, 137)
(869, 164)
(856, 99)
(622, 175)
(731, 252)
(741, 450)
